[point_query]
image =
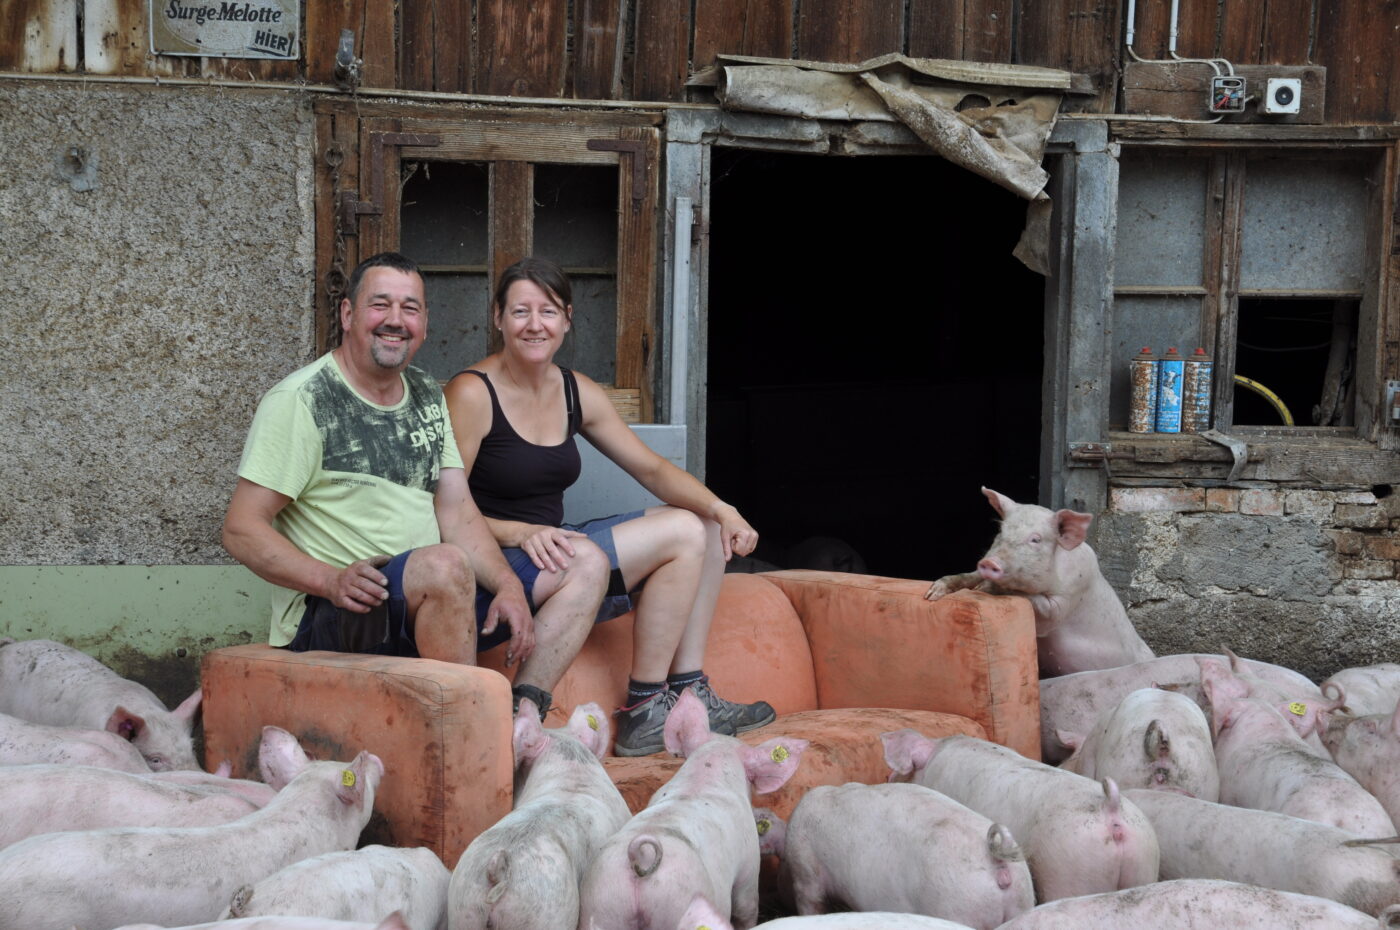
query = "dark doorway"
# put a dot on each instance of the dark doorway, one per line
(875, 355)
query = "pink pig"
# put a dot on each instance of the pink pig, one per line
(695, 837)
(394, 921)
(25, 743)
(524, 872)
(1368, 749)
(702, 915)
(1079, 837)
(47, 682)
(1370, 689)
(175, 876)
(1039, 553)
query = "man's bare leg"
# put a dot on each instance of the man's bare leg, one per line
(440, 591)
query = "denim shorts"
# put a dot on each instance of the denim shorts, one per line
(616, 602)
(383, 631)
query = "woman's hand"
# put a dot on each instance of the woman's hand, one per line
(735, 534)
(548, 547)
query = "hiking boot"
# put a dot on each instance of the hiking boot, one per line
(641, 728)
(729, 718)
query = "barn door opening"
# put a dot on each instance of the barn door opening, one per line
(874, 356)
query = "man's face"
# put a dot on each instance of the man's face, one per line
(388, 319)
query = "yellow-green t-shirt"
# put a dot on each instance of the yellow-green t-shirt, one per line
(361, 476)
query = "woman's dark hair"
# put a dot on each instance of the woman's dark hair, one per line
(541, 272)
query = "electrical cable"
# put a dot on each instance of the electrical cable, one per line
(1274, 400)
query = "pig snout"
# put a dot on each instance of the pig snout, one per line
(991, 569)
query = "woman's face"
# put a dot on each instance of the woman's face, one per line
(532, 322)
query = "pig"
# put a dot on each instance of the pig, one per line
(696, 836)
(1264, 764)
(1079, 837)
(47, 682)
(25, 743)
(1200, 839)
(1202, 904)
(257, 793)
(175, 876)
(524, 872)
(1074, 703)
(394, 921)
(903, 848)
(1301, 707)
(1079, 622)
(1368, 690)
(353, 886)
(1152, 739)
(58, 798)
(702, 915)
(1368, 749)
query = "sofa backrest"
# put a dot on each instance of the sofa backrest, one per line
(757, 650)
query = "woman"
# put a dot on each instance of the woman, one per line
(515, 414)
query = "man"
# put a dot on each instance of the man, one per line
(352, 499)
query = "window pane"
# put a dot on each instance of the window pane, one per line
(1158, 322)
(576, 226)
(1161, 220)
(1302, 353)
(1304, 225)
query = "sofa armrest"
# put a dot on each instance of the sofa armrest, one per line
(877, 643)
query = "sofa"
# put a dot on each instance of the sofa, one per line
(841, 657)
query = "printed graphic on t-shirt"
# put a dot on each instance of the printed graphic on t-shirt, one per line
(403, 445)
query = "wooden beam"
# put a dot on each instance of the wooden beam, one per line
(636, 267)
(662, 60)
(521, 47)
(512, 221)
(597, 70)
(850, 30)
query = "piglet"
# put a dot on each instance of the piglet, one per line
(1368, 690)
(394, 921)
(1199, 839)
(1368, 749)
(524, 871)
(257, 793)
(47, 682)
(1198, 903)
(175, 876)
(1304, 710)
(702, 915)
(353, 885)
(25, 743)
(61, 798)
(1079, 622)
(1075, 703)
(1152, 739)
(1079, 837)
(695, 837)
(1264, 763)
(903, 848)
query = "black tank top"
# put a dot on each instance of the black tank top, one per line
(514, 479)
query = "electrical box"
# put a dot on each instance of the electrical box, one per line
(1282, 96)
(1390, 416)
(1227, 94)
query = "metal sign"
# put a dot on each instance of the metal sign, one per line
(226, 28)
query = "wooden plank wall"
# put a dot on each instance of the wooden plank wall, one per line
(645, 50)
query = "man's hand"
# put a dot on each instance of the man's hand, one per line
(509, 607)
(360, 586)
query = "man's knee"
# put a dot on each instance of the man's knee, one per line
(440, 569)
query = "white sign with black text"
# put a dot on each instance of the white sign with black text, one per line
(226, 28)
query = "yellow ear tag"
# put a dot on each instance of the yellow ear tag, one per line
(347, 778)
(780, 753)
(1298, 708)
(763, 825)
(703, 927)
(592, 722)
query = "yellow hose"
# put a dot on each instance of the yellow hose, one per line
(1268, 395)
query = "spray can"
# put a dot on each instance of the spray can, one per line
(1171, 370)
(1142, 409)
(1195, 402)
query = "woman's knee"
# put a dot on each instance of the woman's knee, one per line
(589, 565)
(689, 533)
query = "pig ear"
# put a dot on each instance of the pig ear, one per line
(687, 725)
(125, 724)
(1071, 741)
(351, 789)
(591, 725)
(1072, 527)
(1304, 716)
(528, 739)
(701, 915)
(772, 832)
(771, 763)
(1000, 502)
(394, 921)
(906, 752)
(224, 770)
(189, 709)
(1218, 682)
(280, 757)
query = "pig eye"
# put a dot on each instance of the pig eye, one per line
(1035, 537)
(153, 761)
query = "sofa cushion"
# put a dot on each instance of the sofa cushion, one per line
(757, 650)
(443, 732)
(844, 746)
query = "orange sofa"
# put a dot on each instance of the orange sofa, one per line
(842, 658)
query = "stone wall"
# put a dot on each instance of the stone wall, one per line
(1301, 578)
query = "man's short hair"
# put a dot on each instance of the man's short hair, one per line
(393, 260)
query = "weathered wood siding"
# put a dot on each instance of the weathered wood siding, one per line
(646, 50)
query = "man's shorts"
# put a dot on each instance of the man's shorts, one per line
(616, 602)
